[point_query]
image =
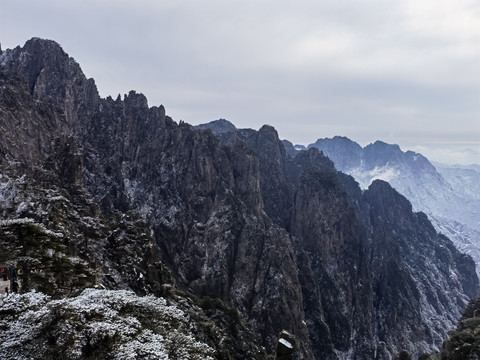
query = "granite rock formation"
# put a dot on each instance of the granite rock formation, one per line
(227, 224)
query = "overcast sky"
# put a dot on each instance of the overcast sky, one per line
(401, 71)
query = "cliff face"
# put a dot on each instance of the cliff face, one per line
(288, 242)
(414, 269)
(448, 196)
(52, 216)
(333, 260)
(367, 263)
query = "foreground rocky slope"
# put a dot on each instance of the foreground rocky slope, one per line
(98, 324)
(62, 243)
(167, 210)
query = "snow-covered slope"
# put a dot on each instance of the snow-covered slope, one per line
(450, 196)
(465, 180)
(96, 323)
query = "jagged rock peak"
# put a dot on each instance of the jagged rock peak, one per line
(269, 129)
(40, 55)
(336, 140)
(219, 126)
(40, 47)
(384, 144)
(314, 158)
(289, 148)
(54, 77)
(385, 196)
(50, 45)
(136, 99)
(280, 239)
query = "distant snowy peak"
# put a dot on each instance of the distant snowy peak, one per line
(410, 173)
(450, 195)
(378, 160)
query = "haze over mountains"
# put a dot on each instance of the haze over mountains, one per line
(208, 243)
(449, 196)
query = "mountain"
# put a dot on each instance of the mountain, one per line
(448, 195)
(220, 126)
(219, 226)
(282, 184)
(464, 180)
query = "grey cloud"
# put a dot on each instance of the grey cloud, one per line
(393, 70)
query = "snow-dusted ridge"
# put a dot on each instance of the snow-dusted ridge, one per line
(118, 322)
(449, 195)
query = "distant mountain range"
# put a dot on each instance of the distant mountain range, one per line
(449, 195)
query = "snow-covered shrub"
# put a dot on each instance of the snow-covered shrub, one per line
(96, 324)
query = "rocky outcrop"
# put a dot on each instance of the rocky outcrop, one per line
(289, 243)
(202, 201)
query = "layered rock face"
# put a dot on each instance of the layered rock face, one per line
(287, 241)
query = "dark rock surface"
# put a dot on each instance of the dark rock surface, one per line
(287, 242)
(217, 127)
(365, 251)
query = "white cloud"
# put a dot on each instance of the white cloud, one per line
(451, 153)
(365, 178)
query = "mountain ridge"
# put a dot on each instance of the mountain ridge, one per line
(289, 243)
(447, 194)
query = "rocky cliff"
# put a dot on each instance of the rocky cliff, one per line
(448, 195)
(281, 243)
(63, 240)
(357, 250)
